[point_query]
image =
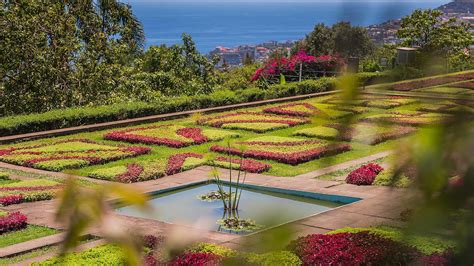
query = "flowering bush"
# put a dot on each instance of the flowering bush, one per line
(294, 109)
(12, 222)
(365, 175)
(72, 153)
(246, 165)
(204, 259)
(289, 151)
(322, 65)
(361, 248)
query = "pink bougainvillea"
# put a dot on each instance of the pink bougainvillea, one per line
(197, 259)
(362, 248)
(326, 65)
(365, 175)
(12, 222)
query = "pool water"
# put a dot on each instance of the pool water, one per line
(267, 209)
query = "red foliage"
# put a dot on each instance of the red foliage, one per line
(281, 110)
(132, 175)
(194, 134)
(364, 175)
(247, 165)
(197, 259)
(288, 158)
(361, 248)
(437, 259)
(127, 135)
(152, 242)
(12, 222)
(176, 161)
(11, 199)
(150, 260)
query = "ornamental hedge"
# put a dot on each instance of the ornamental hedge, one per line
(88, 115)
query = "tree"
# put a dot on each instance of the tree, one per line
(342, 39)
(63, 53)
(436, 38)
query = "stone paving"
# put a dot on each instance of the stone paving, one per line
(379, 205)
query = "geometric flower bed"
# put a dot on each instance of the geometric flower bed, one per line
(132, 172)
(246, 165)
(27, 191)
(293, 109)
(412, 119)
(363, 132)
(169, 135)
(375, 102)
(72, 153)
(364, 175)
(252, 121)
(12, 222)
(285, 150)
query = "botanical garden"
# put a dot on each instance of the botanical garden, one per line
(164, 160)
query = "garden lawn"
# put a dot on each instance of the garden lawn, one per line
(29, 233)
(159, 156)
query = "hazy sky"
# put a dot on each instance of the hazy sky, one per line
(197, 1)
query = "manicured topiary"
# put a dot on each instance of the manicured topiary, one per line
(177, 162)
(365, 175)
(246, 165)
(12, 222)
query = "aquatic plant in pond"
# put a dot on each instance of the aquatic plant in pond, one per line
(214, 196)
(231, 199)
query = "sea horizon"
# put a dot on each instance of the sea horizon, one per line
(231, 24)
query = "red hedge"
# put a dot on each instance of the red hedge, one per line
(12, 222)
(197, 259)
(288, 158)
(361, 248)
(365, 175)
(175, 162)
(247, 165)
(11, 199)
(281, 110)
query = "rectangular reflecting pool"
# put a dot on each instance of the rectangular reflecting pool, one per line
(267, 207)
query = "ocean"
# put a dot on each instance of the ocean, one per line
(230, 23)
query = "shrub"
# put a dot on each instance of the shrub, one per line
(12, 222)
(246, 165)
(187, 259)
(212, 248)
(285, 150)
(11, 199)
(176, 162)
(285, 258)
(102, 255)
(294, 109)
(361, 248)
(88, 115)
(364, 175)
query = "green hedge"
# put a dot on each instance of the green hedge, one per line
(88, 115)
